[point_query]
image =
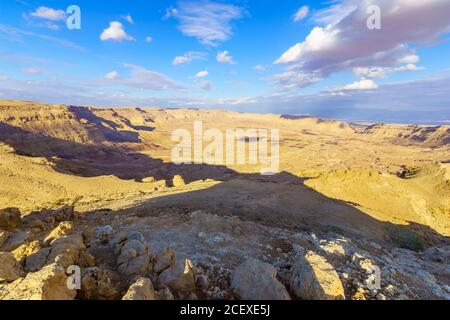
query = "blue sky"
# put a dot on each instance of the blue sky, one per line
(297, 57)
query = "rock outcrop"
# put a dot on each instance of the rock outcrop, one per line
(10, 269)
(256, 280)
(313, 278)
(142, 289)
(49, 283)
(181, 277)
(134, 255)
(10, 218)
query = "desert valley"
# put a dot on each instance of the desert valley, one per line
(355, 211)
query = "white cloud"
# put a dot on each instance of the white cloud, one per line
(207, 21)
(411, 58)
(113, 75)
(379, 72)
(142, 78)
(409, 67)
(128, 18)
(115, 32)
(188, 57)
(202, 74)
(345, 42)
(301, 13)
(224, 57)
(370, 72)
(148, 39)
(294, 79)
(49, 14)
(259, 68)
(365, 84)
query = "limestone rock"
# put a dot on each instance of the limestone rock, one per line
(66, 249)
(165, 294)
(142, 289)
(10, 218)
(180, 277)
(97, 284)
(134, 254)
(37, 260)
(64, 228)
(103, 234)
(15, 240)
(149, 180)
(438, 254)
(136, 266)
(50, 283)
(165, 259)
(26, 249)
(256, 280)
(178, 181)
(66, 213)
(86, 259)
(313, 278)
(10, 268)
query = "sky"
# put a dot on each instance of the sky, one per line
(356, 60)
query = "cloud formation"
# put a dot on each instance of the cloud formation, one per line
(188, 57)
(301, 13)
(346, 42)
(115, 32)
(202, 74)
(49, 14)
(142, 78)
(224, 57)
(207, 21)
(113, 75)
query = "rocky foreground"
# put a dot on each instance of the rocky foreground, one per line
(196, 255)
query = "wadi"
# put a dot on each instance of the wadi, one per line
(354, 212)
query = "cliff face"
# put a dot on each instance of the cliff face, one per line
(426, 136)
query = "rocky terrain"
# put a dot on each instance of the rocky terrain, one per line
(356, 212)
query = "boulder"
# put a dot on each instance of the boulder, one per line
(26, 249)
(256, 280)
(134, 255)
(66, 250)
(136, 266)
(37, 260)
(313, 278)
(96, 284)
(15, 240)
(165, 259)
(10, 218)
(180, 277)
(64, 228)
(66, 213)
(103, 234)
(49, 283)
(165, 294)
(178, 181)
(10, 268)
(149, 180)
(142, 289)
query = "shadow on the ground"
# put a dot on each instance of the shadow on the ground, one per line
(281, 200)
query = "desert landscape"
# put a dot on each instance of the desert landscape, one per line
(356, 212)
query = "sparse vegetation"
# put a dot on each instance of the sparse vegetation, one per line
(405, 238)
